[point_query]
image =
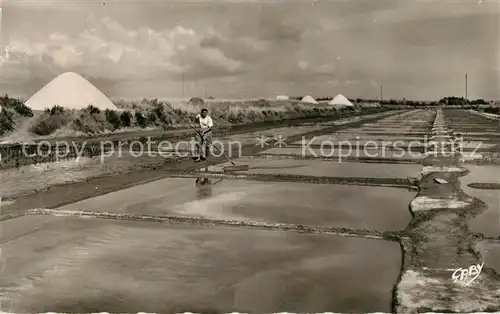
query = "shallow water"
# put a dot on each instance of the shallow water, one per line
(67, 264)
(327, 168)
(359, 207)
(490, 251)
(488, 222)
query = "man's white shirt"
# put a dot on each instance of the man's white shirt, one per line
(205, 123)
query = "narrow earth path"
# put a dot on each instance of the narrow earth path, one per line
(437, 241)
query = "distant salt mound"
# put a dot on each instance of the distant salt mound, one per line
(340, 101)
(282, 97)
(72, 91)
(308, 100)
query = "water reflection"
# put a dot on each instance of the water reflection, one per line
(204, 187)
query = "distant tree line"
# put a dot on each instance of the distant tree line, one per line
(451, 101)
(461, 101)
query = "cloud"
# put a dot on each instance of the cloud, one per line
(108, 50)
(326, 69)
(416, 47)
(302, 65)
(408, 11)
(245, 49)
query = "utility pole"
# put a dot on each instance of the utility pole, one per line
(466, 87)
(206, 95)
(381, 98)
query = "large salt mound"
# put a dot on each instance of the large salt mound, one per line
(340, 101)
(71, 91)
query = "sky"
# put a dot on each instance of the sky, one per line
(417, 50)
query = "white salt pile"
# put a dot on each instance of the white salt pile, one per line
(340, 101)
(72, 91)
(308, 100)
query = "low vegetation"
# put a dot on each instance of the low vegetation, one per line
(10, 109)
(7, 123)
(153, 114)
(493, 110)
(94, 121)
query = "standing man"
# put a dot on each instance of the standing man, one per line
(205, 140)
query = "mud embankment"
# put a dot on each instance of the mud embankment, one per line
(437, 242)
(486, 115)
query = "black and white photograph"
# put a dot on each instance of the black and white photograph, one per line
(249, 156)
